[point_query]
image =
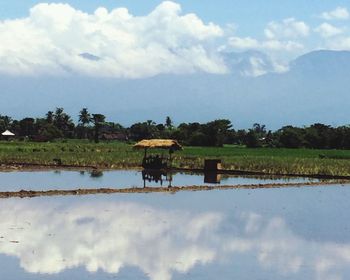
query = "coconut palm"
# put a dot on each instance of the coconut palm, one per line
(84, 120)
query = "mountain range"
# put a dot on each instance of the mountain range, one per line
(314, 88)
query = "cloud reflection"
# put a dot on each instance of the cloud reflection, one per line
(51, 238)
(106, 237)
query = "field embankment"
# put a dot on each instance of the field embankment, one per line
(80, 192)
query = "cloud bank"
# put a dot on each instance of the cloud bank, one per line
(58, 39)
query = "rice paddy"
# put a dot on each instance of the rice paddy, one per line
(117, 155)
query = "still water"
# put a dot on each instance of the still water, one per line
(44, 180)
(286, 233)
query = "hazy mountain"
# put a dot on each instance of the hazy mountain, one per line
(316, 89)
(249, 63)
(321, 63)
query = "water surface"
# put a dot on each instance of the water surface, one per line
(287, 233)
(44, 180)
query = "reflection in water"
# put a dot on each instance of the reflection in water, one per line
(51, 238)
(156, 176)
(212, 178)
(48, 180)
(106, 237)
(96, 174)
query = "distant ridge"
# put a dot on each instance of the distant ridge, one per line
(315, 89)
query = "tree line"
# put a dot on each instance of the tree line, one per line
(58, 124)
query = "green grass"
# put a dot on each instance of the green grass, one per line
(271, 160)
(121, 155)
(73, 152)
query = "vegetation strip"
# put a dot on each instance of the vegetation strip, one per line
(19, 155)
(26, 194)
(58, 124)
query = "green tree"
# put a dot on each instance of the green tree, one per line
(27, 127)
(145, 130)
(84, 117)
(98, 120)
(318, 136)
(49, 117)
(260, 130)
(168, 123)
(217, 132)
(64, 123)
(84, 120)
(252, 139)
(5, 123)
(291, 137)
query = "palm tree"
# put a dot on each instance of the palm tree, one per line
(84, 119)
(58, 118)
(63, 122)
(168, 123)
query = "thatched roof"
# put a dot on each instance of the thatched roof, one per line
(7, 133)
(158, 144)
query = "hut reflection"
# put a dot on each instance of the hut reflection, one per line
(156, 176)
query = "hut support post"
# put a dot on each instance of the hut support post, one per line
(144, 158)
(170, 159)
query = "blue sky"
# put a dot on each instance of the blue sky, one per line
(57, 38)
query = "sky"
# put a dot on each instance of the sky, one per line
(139, 39)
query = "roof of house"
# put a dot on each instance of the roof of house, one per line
(7, 133)
(158, 144)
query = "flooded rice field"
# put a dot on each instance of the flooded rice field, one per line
(280, 233)
(63, 180)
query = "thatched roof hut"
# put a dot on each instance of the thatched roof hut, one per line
(168, 144)
(157, 162)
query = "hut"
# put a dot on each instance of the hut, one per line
(7, 134)
(158, 161)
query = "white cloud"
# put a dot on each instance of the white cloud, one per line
(340, 13)
(341, 43)
(289, 28)
(282, 45)
(267, 45)
(53, 37)
(327, 30)
(243, 43)
(280, 37)
(258, 65)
